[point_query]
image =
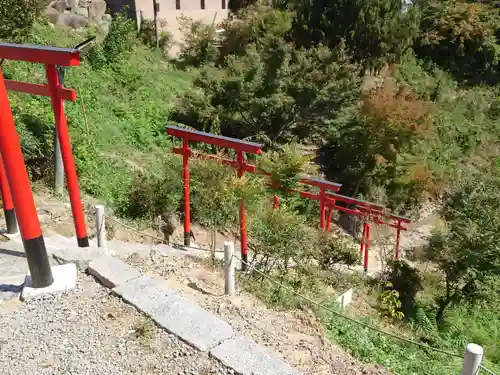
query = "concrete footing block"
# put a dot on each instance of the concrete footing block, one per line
(247, 358)
(64, 279)
(112, 272)
(169, 310)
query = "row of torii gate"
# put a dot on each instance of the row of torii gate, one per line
(17, 197)
(328, 197)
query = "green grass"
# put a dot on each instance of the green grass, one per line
(399, 357)
(126, 106)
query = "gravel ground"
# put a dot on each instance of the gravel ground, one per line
(89, 331)
(297, 337)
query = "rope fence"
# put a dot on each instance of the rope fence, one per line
(469, 360)
(472, 357)
(100, 229)
(484, 369)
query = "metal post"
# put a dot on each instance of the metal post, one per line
(58, 162)
(15, 168)
(185, 180)
(229, 269)
(8, 204)
(367, 247)
(276, 202)
(322, 208)
(472, 359)
(67, 156)
(243, 216)
(100, 226)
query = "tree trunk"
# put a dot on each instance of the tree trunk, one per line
(440, 313)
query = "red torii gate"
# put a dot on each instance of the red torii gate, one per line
(368, 211)
(14, 181)
(239, 164)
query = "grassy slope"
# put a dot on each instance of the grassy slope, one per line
(126, 107)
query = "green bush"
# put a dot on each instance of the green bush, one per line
(406, 281)
(119, 40)
(200, 43)
(147, 35)
(17, 18)
(334, 250)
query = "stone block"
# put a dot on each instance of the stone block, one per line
(247, 358)
(112, 272)
(178, 316)
(81, 256)
(64, 279)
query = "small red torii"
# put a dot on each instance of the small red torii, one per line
(239, 164)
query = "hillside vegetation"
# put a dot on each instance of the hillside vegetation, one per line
(401, 102)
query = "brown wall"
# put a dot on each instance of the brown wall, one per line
(188, 8)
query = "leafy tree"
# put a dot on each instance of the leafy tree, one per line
(376, 32)
(378, 145)
(462, 37)
(468, 253)
(272, 93)
(17, 18)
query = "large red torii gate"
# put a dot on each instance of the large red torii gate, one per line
(14, 181)
(327, 196)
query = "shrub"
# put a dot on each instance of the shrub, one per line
(17, 18)
(286, 166)
(406, 281)
(334, 250)
(152, 195)
(200, 43)
(280, 238)
(121, 37)
(148, 35)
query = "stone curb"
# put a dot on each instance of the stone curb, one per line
(112, 272)
(189, 322)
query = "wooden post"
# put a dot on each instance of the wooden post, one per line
(322, 208)
(100, 225)
(58, 161)
(472, 359)
(229, 269)
(367, 247)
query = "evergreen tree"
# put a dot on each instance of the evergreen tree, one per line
(375, 31)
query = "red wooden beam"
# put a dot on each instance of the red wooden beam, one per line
(400, 218)
(218, 140)
(40, 54)
(248, 167)
(37, 89)
(321, 183)
(359, 202)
